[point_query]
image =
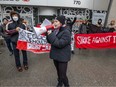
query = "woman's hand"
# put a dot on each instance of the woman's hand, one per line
(17, 29)
(49, 32)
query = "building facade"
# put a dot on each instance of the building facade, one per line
(35, 11)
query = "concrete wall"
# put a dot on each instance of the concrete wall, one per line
(47, 11)
(90, 4)
(100, 4)
(112, 14)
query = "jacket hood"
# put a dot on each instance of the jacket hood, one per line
(11, 15)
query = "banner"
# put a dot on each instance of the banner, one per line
(96, 16)
(29, 41)
(100, 40)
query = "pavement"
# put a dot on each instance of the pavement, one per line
(88, 67)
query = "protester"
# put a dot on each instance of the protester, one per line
(60, 40)
(5, 36)
(88, 25)
(112, 26)
(99, 23)
(15, 24)
(25, 23)
(83, 28)
(70, 23)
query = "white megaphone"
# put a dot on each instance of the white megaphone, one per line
(44, 27)
(42, 30)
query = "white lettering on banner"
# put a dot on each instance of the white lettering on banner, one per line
(46, 47)
(101, 39)
(38, 47)
(34, 42)
(31, 37)
(114, 39)
(89, 40)
(22, 35)
(33, 46)
(83, 40)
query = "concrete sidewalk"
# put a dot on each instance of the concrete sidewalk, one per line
(87, 68)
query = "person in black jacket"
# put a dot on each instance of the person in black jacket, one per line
(5, 36)
(16, 23)
(69, 24)
(60, 40)
(83, 28)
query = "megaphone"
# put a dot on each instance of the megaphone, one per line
(42, 30)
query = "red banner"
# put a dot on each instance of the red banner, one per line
(29, 41)
(100, 40)
(35, 48)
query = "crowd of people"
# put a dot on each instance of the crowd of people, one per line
(61, 40)
(87, 27)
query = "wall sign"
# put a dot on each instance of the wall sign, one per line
(76, 2)
(74, 12)
(98, 15)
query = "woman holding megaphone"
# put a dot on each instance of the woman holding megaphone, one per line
(60, 40)
(59, 36)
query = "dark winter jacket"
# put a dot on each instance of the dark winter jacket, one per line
(83, 29)
(70, 23)
(2, 32)
(12, 29)
(60, 45)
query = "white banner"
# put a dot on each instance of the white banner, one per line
(97, 16)
(30, 42)
(31, 37)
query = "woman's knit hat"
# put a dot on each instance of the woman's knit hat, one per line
(61, 19)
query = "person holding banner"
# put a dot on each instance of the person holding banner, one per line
(15, 24)
(60, 40)
(70, 23)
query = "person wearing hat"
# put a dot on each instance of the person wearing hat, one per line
(16, 23)
(60, 40)
(70, 23)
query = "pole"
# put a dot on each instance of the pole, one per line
(108, 11)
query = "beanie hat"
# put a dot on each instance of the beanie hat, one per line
(61, 19)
